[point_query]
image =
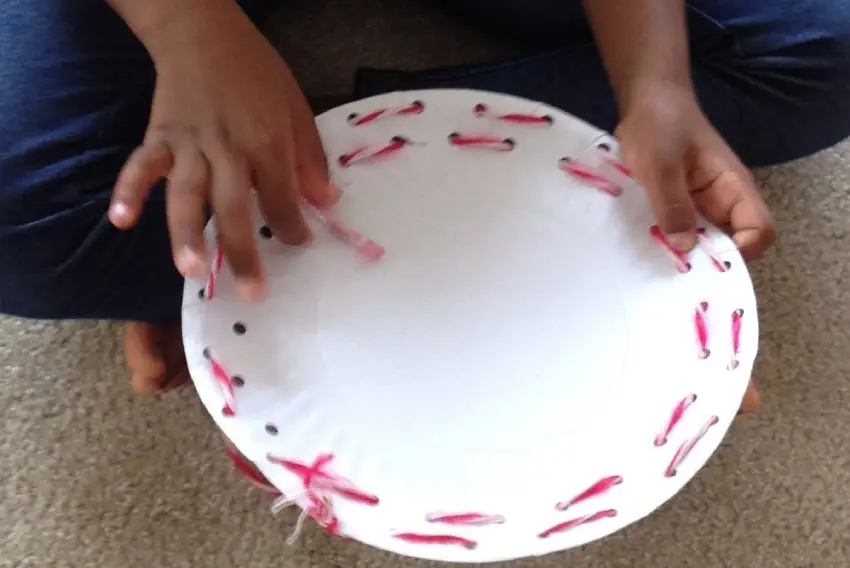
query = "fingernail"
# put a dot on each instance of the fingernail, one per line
(251, 290)
(682, 242)
(119, 212)
(325, 194)
(189, 262)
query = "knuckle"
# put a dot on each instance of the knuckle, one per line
(160, 133)
(230, 205)
(134, 171)
(192, 172)
(217, 138)
(171, 132)
(264, 140)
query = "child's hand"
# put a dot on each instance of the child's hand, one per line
(227, 117)
(687, 167)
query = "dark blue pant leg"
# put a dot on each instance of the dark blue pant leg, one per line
(75, 95)
(772, 75)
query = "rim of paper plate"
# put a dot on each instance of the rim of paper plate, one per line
(244, 434)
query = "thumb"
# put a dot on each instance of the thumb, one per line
(667, 188)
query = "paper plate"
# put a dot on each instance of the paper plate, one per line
(526, 368)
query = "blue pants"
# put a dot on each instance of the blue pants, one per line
(76, 86)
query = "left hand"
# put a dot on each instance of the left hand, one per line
(687, 168)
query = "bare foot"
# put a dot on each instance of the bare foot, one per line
(751, 403)
(155, 357)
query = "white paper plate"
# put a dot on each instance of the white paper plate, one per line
(522, 338)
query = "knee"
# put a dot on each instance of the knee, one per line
(823, 37)
(824, 45)
(804, 65)
(801, 44)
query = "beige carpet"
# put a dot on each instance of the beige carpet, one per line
(92, 477)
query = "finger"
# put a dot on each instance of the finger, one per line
(148, 164)
(144, 359)
(674, 209)
(311, 162)
(278, 195)
(231, 200)
(187, 195)
(732, 200)
(752, 226)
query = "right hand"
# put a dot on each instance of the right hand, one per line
(227, 117)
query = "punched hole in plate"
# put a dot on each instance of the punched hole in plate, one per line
(727, 264)
(238, 381)
(604, 146)
(202, 294)
(271, 429)
(265, 232)
(239, 328)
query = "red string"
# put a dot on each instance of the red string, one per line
(321, 511)
(442, 539)
(247, 469)
(225, 382)
(613, 162)
(686, 447)
(680, 258)
(356, 119)
(473, 519)
(737, 317)
(367, 153)
(578, 521)
(218, 261)
(708, 249)
(316, 477)
(319, 484)
(702, 330)
(483, 110)
(675, 418)
(591, 175)
(488, 142)
(600, 487)
(365, 246)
